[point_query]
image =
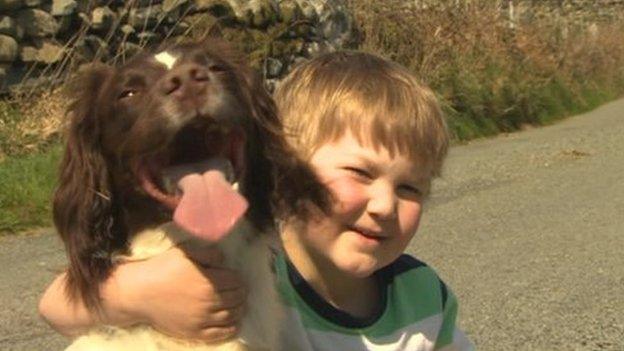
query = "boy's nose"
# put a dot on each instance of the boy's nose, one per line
(383, 202)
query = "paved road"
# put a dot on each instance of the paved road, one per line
(526, 228)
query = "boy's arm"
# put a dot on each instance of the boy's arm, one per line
(171, 292)
(67, 318)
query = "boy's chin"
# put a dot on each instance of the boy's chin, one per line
(359, 267)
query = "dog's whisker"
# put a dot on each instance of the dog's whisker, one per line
(102, 195)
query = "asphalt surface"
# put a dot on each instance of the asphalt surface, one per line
(526, 229)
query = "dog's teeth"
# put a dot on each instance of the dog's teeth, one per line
(168, 184)
(228, 171)
(235, 186)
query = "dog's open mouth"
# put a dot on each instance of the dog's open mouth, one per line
(197, 148)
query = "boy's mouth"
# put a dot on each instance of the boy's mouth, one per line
(369, 234)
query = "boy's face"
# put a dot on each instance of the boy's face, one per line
(377, 206)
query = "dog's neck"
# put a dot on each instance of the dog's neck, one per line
(141, 212)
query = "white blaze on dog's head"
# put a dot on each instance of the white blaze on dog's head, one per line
(166, 59)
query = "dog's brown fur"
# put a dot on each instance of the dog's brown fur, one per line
(121, 118)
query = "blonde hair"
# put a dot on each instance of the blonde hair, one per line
(379, 101)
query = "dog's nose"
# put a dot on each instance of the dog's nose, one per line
(192, 75)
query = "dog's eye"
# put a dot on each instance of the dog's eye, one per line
(127, 93)
(217, 68)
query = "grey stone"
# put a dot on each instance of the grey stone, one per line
(179, 28)
(128, 49)
(209, 4)
(298, 46)
(170, 5)
(8, 49)
(32, 3)
(8, 26)
(311, 49)
(37, 23)
(324, 6)
(3, 72)
(337, 27)
(91, 48)
(263, 12)
(146, 3)
(81, 51)
(8, 74)
(28, 54)
(97, 47)
(272, 67)
(278, 48)
(218, 8)
(297, 60)
(282, 48)
(255, 13)
(176, 39)
(45, 53)
(63, 7)
(174, 15)
(308, 11)
(270, 84)
(65, 24)
(145, 18)
(289, 11)
(10, 5)
(302, 30)
(318, 48)
(148, 38)
(86, 6)
(102, 18)
(86, 20)
(127, 30)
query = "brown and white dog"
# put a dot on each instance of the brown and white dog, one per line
(170, 134)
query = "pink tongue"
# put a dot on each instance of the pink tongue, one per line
(209, 207)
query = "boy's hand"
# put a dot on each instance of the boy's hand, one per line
(184, 294)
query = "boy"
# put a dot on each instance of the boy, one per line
(376, 138)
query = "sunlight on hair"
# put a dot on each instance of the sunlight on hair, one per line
(381, 102)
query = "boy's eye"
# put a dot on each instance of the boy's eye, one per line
(359, 172)
(410, 189)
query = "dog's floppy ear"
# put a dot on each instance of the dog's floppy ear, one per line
(284, 181)
(83, 205)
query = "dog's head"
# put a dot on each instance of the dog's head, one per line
(136, 129)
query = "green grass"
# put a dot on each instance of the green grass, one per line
(9, 120)
(26, 190)
(475, 108)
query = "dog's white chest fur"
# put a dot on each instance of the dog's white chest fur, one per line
(245, 252)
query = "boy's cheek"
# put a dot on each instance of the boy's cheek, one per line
(346, 192)
(410, 220)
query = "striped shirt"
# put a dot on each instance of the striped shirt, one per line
(417, 313)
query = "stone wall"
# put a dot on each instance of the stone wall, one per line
(47, 38)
